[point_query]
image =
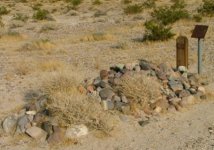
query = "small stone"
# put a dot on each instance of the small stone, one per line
(137, 68)
(161, 75)
(118, 105)
(174, 101)
(126, 109)
(158, 109)
(130, 66)
(90, 88)
(37, 133)
(47, 126)
(184, 93)
(106, 93)
(9, 124)
(143, 122)
(33, 112)
(57, 136)
(175, 86)
(108, 105)
(103, 74)
(96, 81)
(120, 66)
(76, 132)
(22, 122)
(187, 101)
(186, 85)
(182, 69)
(172, 109)
(192, 91)
(104, 84)
(116, 98)
(124, 99)
(144, 65)
(202, 90)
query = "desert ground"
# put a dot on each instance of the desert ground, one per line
(90, 38)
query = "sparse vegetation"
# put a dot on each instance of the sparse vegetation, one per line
(75, 2)
(133, 9)
(149, 4)
(19, 16)
(3, 10)
(141, 90)
(157, 32)
(41, 14)
(69, 107)
(207, 8)
(168, 15)
(97, 2)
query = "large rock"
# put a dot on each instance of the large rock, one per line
(37, 133)
(9, 124)
(76, 131)
(22, 123)
(106, 93)
(175, 86)
(189, 100)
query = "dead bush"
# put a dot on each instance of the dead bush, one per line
(69, 107)
(140, 89)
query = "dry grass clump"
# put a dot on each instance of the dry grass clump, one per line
(69, 107)
(140, 89)
(98, 36)
(22, 68)
(51, 65)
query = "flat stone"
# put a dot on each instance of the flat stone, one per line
(106, 93)
(37, 133)
(57, 136)
(175, 86)
(76, 132)
(9, 124)
(108, 105)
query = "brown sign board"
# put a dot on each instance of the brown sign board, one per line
(182, 51)
(199, 31)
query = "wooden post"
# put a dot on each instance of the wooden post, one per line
(182, 51)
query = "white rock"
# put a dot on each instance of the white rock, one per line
(76, 131)
(158, 109)
(202, 90)
(31, 112)
(182, 69)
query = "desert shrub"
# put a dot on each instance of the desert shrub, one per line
(149, 4)
(75, 2)
(133, 9)
(207, 8)
(19, 16)
(168, 15)
(140, 89)
(126, 1)
(41, 14)
(156, 31)
(3, 10)
(97, 2)
(69, 107)
(197, 17)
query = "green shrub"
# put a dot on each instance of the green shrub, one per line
(156, 31)
(41, 14)
(149, 4)
(75, 2)
(97, 2)
(133, 9)
(3, 10)
(207, 8)
(19, 16)
(168, 15)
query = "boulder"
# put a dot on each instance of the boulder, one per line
(22, 123)
(175, 86)
(144, 65)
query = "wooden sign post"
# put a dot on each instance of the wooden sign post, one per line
(199, 32)
(182, 51)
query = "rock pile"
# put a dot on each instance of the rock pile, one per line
(178, 88)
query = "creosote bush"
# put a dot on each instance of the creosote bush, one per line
(140, 89)
(3, 10)
(69, 107)
(133, 9)
(41, 14)
(168, 15)
(156, 31)
(207, 8)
